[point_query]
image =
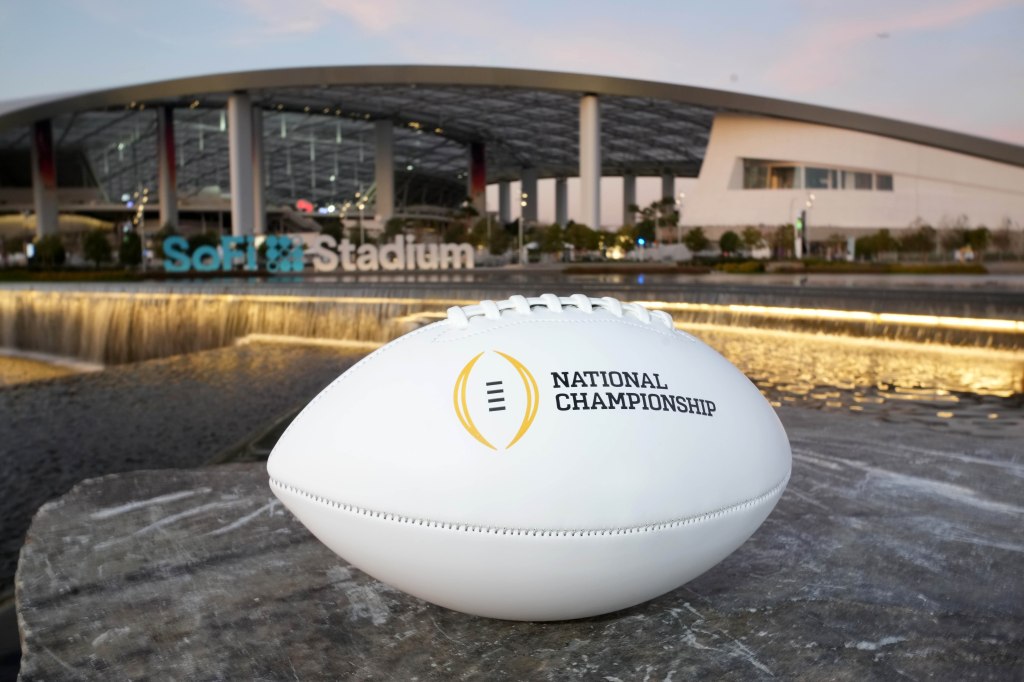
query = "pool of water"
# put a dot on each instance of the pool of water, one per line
(19, 370)
(974, 390)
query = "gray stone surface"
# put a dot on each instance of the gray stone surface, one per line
(895, 553)
(175, 412)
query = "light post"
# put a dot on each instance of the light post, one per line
(806, 235)
(679, 218)
(524, 198)
(798, 246)
(800, 241)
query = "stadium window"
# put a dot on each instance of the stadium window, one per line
(782, 177)
(862, 180)
(755, 175)
(818, 178)
(883, 182)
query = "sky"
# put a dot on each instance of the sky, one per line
(955, 64)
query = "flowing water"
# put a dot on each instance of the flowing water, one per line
(949, 372)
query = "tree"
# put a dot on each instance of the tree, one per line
(500, 240)
(954, 233)
(626, 237)
(161, 235)
(978, 239)
(582, 237)
(781, 241)
(1002, 238)
(130, 251)
(197, 240)
(752, 237)
(921, 240)
(729, 242)
(551, 240)
(50, 251)
(334, 229)
(392, 228)
(953, 239)
(871, 245)
(695, 240)
(455, 232)
(660, 213)
(97, 247)
(355, 236)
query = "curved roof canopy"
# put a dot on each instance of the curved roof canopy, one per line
(318, 127)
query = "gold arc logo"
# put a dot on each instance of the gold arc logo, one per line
(462, 404)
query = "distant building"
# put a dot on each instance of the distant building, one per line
(297, 148)
(763, 171)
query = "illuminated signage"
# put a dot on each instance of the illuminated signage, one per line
(295, 253)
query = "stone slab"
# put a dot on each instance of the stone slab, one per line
(896, 552)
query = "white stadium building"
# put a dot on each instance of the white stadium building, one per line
(239, 152)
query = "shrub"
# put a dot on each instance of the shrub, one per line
(130, 252)
(742, 267)
(696, 240)
(97, 247)
(50, 251)
(729, 242)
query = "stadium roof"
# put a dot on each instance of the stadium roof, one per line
(318, 127)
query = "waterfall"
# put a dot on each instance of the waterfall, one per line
(117, 325)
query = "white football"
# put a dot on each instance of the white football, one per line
(536, 459)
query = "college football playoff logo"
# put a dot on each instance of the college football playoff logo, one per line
(500, 398)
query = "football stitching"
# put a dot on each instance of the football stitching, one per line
(537, 532)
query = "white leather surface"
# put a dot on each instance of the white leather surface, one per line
(523, 576)
(390, 436)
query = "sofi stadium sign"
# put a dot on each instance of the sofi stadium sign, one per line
(321, 252)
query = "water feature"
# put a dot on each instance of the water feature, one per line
(114, 327)
(948, 368)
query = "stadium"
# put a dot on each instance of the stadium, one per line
(295, 149)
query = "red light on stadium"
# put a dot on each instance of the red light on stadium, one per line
(304, 206)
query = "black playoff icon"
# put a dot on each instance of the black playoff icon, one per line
(495, 397)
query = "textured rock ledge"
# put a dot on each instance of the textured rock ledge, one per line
(894, 552)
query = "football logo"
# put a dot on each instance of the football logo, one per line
(499, 388)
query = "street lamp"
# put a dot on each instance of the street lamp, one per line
(679, 218)
(806, 234)
(142, 225)
(522, 219)
(800, 241)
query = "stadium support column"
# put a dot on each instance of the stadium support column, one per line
(166, 169)
(668, 186)
(240, 163)
(628, 199)
(505, 202)
(384, 169)
(476, 187)
(561, 202)
(259, 202)
(590, 161)
(528, 195)
(44, 178)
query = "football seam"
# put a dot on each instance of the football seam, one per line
(537, 532)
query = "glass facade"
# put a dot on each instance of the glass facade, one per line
(775, 175)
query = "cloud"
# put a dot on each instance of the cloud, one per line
(379, 16)
(825, 54)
